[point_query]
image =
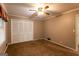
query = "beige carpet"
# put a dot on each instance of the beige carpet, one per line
(38, 48)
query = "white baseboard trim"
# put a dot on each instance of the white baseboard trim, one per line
(61, 45)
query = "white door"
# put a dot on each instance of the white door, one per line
(21, 30)
(77, 31)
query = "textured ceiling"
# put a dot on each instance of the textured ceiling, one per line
(22, 9)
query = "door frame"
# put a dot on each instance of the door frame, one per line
(76, 44)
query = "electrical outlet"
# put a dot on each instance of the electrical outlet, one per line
(48, 39)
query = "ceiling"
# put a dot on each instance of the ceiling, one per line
(21, 10)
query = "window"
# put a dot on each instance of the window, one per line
(2, 31)
(1, 23)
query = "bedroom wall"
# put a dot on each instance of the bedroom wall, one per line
(38, 30)
(60, 29)
(8, 31)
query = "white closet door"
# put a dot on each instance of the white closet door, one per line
(21, 31)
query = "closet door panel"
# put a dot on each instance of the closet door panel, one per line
(21, 30)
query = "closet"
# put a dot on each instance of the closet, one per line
(21, 30)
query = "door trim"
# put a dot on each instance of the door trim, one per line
(76, 44)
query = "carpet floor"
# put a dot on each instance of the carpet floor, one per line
(38, 48)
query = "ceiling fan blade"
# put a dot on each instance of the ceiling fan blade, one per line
(32, 10)
(47, 13)
(46, 7)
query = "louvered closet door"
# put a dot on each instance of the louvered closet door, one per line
(21, 31)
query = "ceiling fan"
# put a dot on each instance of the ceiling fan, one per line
(40, 10)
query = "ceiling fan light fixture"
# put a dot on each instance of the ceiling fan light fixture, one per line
(40, 13)
(40, 9)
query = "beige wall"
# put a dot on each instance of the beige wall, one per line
(60, 29)
(38, 29)
(8, 31)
